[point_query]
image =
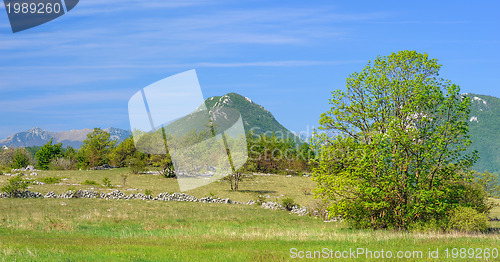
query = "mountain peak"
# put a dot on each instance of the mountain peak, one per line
(36, 130)
(255, 117)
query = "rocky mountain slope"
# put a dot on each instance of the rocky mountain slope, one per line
(484, 128)
(256, 119)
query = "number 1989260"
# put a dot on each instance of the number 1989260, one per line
(34, 8)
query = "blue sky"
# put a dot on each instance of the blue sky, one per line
(80, 70)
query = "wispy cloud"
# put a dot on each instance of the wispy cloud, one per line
(163, 41)
(280, 63)
(45, 101)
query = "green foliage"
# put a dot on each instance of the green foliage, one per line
(106, 182)
(95, 149)
(20, 158)
(467, 219)
(395, 152)
(484, 126)
(260, 199)
(51, 180)
(273, 154)
(90, 183)
(121, 154)
(489, 182)
(136, 164)
(288, 203)
(16, 184)
(46, 153)
(147, 192)
(32, 150)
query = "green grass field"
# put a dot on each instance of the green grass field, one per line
(136, 230)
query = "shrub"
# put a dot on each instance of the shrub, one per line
(90, 183)
(288, 203)
(467, 219)
(20, 158)
(62, 163)
(136, 165)
(169, 172)
(50, 180)
(319, 209)
(16, 184)
(147, 192)
(106, 182)
(260, 199)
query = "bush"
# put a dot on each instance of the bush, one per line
(90, 183)
(136, 165)
(169, 172)
(50, 180)
(319, 209)
(62, 163)
(260, 200)
(16, 184)
(20, 159)
(288, 203)
(467, 219)
(147, 192)
(106, 182)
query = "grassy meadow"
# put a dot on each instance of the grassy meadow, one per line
(136, 230)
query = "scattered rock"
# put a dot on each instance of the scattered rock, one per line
(103, 167)
(180, 197)
(299, 211)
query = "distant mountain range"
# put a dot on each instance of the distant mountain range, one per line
(74, 138)
(253, 115)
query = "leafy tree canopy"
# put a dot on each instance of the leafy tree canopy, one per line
(392, 150)
(46, 153)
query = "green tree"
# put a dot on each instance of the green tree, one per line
(47, 153)
(122, 152)
(20, 158)
(16, 185)
(489, 182)
(95, 149)
(391, 153)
